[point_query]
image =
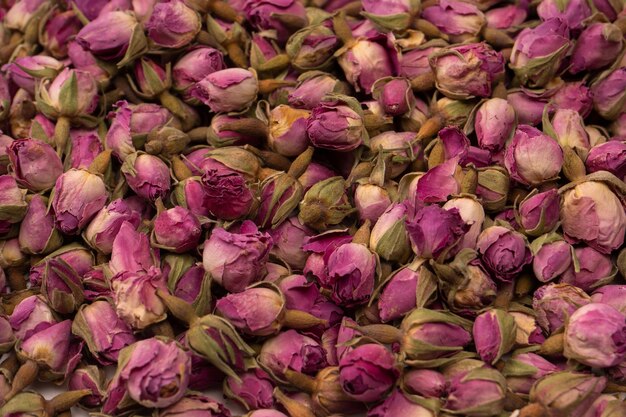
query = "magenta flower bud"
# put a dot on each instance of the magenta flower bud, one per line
(525, 156)
(573, 12)
(567, 393)
(95, 284)
(609, 8)
(35, 164)
(153, 372)
(478, 392)
(31, 315)
(595, 335)
(311, 89)
(61, 285)
(131, 251)
(592, 213)
(294, 351)
(351, 270)
(255, 311)
(191, 194)
(402, 148)
(147, 116)
(102, 330)
(529, 109)
(608, 93)
(119, 137)
(434, 231)
(303, 295)
(609, 156)
(538, 52)
(315, 173)
(424, 382)
(136, 299)
(287, 130)
(539, 213)
(89, 377)
(368, 372)
(177, 229)
(506, 17)
(368, 60)
(554, 303)
(253, 390)
(194, 66)
(568, 128)
(551, 258)
(612, 295)
(398, 404)
(277, 15)
(598, 46)
(467, 71)
(523, 369)
(195, 405)
(102, 230)
(203, 375)
(389, 237)
(416, 62)
(592, 270)
(111, 36)
(494, 124)
(236, 260)
(232, 89)
(288, 239)
(27, 72)
(151, 78)
(173, 24)
(494, 334)
(85, 146)
(459, 20)
(439, 182)
(147, 175)
(394, 95)
(78, 196)
(336, 124)
(58, 30)
(574, 96)
(473, 214)
(79, 85)
(371, 201)
(503, 251)
(219, 185)
(84, 60)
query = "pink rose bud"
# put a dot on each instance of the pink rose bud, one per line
(226, 184)
(280, 195)
(173, 24)
(539, 212)
(402, 148)
(574, 96)
(194, 66)
(612, 295)
(195, 404)
(294, 351)
(494, 124)
(399, 404)
(592, 213)
(303, 295)
(256, 311)
(525, 156)
(253, 390)
(368, 372)
(232, 89)
(312, 48)
(35, 164)
(131, 251)
(368, 60)
(190, 193)
(85, 146)
(503, 251)
(22, 15)
(102, 230)
(351, 270)
(554, 303)
(151, 79)
(58, 30)
(595, 335)
(95, 284)
(27, 72)
(311, 89)
(61, 285)
(473, 214)
(79, 86)
(523, 369)
(494, 334)
(568, 128)
(592, 269)
(147, 175)
(31, 315)
(389, 237)
(394, 15)
(177, 229)
(287, 130)
(458, 19)
(136, 299)
(529, 109)
(280, 16)
(457, 74)
(102, 330)
(573, 12)
(597, 47)
(147, 116)
(371, 201)
(609, 156)
(236, 260)
(425, 382)
(434, 231)
(528, 331)
(506, 17)
(89, 377)
(539, 52)
(480, 391)
(288, 239)
(567, 393)
(7, 338)
(315, 173)
(439, 182)
(5, 142)
(153, 372)
(336, 124)
(119, 138)
(394, 95)
(13, 206)
(608, 92)
(84, 60)
(553, 256)
(416, 62)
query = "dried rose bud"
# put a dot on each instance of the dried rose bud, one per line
(253, 390)
(84, 60)
(7, 338)
(31, 315)
(278, 16)
(256, 311)
(494, 334)
(389, 237)
(612, 295)
(478, 392)
(415, 62)
(147, 175)
(61, 285)
(10, 254)
(567, 393)
(609, 93)
(226, 184)
(102, 230)
(311, 88)
(326, 203)
(195, 404)
(58, 30)
(303, 295)
(573, 12)
(554, 303)
(288, 239)
(568, 128)
(287, 130)
(506, 17)
(102, 330)
(232, 89)
(538, 52)
(24, 15)
(473, 214)
(523, 369)
(79, 85)
(150, 79)
(89, 377)
(35, 164)
(539, 212)
(293, 351)
(394, 95)
(262, 50)
(370, 201)
(424, 382)
(590, 269)
(503, 251)
(191, 194)
(312, 48)
(135, 297)
(459, 20)
(336, 124)
(398, 404)
(280, 195)
(131, 251)
(528, 147)
(439, 182)
(434, 231)
(85, 145)
(368, 372)
(609, 156)
(351, 272)
(26, 72)
(194, 66)
(153, 372)
(401, 146)
(367, 60)
(592, 213)
(177, 229)
(236, 260)
(552, 257)
(173, 24)
(494, 124)
(13, 206)
(529, 109)
(597, 46)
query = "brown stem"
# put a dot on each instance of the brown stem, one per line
(294, 408)
(301, 381)
(352, 9)
(163, 328)
(423, 82)
(199, 134)
(274, 65)
(362, 236)
(181, 171)
(430, 30)
(296, 319)
(271, 85)
(61, 134)
(497, 38)
(342, 29)
(383, 333)
(225, 11)
(10, 364)
(301, 163)
(430, 127)
(181, 309)
(533, 410)
(504, 296)
(101, 162)
(553, 345)
(236, 53)
(248, 126)
(26, 375)
(66, 400)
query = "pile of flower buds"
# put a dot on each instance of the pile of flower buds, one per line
(314, 208)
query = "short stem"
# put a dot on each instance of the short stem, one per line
(66, 400)
(301, 163)
(101, 162)
(294, 407)
(61, 134)
(342, 29)
(423, 82)
(304, 382)
(187, 117)
(497, 38)
(181, 171)
(499, 91)
(236, 54)
(553, 345)
(248, 126)
(25, 375)
(296, 319)
(10, 364)
(16, 279)
(533, 410)
(362, 236)
(276, 64)
(199, 134)
(269, 86)
(352, 9)
(430, 30)
(225, 11)
(613, 388)
(430, 127)
(163, 328)
(181, 309)
(382, 333)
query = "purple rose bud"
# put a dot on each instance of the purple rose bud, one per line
(554, 303)
(195, 405)
(612, 295)
(280, 16)
(529, 109)
(337, 125)
(592, 213)
(78, 196)
(567, 393)
(394, 95)
(416, 62)
(102, 230)
(111, 36)
(190, 193)
(177, 229)
(368, 372)
(400, 146)
(288, 239)
(102, 330)
(151, 78)
(226, 184)
(552, 257)
(467, 71)
(398, 404)
(315, 173)
(194, 66)
(371, 201)
(506, 17)
(92, 378)
(494, 124)
(147, 175)
(26, 72)
(351, 271)
(389, 237)
(434, 231)
(459, 20)
(597, 47)
(58, 30)
(287, 130)
(291, 350)
(256, 311)
(311, 89)
(525, 156)
(35, 164)
(236, 260)
(31, 315)
(153, 372)
(523, 369)
(473, 214)
(303, 295)
(568, 128)
(119, 138)
(79, 85)
(609, 156)
(425, 382)
(595, 335)
(439, 182)
(494, 334)
(591, 270)
(84, 60)
(368, 60)
(573, 12)
(85, 146)
(539, 213)
(480, 391)
(253, 390)
(503, 251)
(173, 24)
(136, 299)
(609, 91)
(232, 89)
(538, 52)
(95, 284)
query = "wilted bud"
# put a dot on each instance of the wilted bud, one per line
(494, 124)
(12, 203)
(609, 156)
(574, 96)
(458, 19)
(612, 295)
(101, 231)
(434, 231)
(253, 390)
(280, 195)
(10, 254)
(539, 212)
(494, 334)
(288, 239)
(72, 93)
(351, 271)
(493, 187)
(425, 383)
(312, 48)
(440, 182)
(497, 243)
(402, 148)
(326, 203)
(85, 145)
(589, 270)
(336, 124)
(567, 393)
(150, 79)
(303, 295)
(394, 95)
(287, 130)
(525, 157)
(523, 369)
(28, 71)
(226, 184)
(552, 256)
(135, 297)
(31, 315)
(293, 351)
(367, 60)
(147, 175)
(368, 372)
(473, 214)
(597, 46)
(35, 164)
(232, 89)
(399, 404)
(609, 93)
(554, 303)
(311, 88)
(89, 377)
(194, 404)
(573, 12)
(279, 17)
(370, 201)
(177, 230)
(479, 392)
(173, 24)
(194, 66)
(389, 237)
(258, 311)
